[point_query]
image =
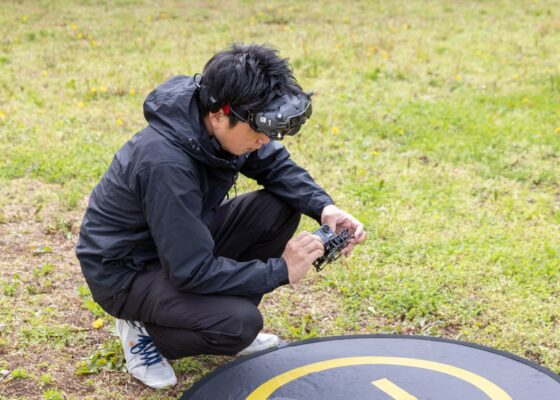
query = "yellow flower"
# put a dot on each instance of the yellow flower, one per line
(132, 92)
(120, 122)
(93, 90)
(525, 100)
(385, 55)
(74, 27)
(98, 323)
(516, 77)
(79, 35)
(24, 18)
(81, 104)
(45, 73)
(334, 130)
(458, 78)
(103, 89)
(557, 129)
(3, 115)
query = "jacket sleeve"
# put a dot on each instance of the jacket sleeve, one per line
(172, 202)
(272, 167)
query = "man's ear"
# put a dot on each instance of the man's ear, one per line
(216, 118)
(218, 121)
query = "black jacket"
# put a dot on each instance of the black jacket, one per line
(160, 193)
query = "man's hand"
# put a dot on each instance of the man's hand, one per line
(299, 254)
(338, 220)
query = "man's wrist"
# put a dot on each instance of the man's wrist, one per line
(281, 272)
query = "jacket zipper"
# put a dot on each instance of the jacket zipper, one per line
(233, 164)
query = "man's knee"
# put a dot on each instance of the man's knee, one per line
(238, 330)
(250, 323)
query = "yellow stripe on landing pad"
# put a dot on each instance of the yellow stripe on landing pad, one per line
(393, 390)
(493, 391)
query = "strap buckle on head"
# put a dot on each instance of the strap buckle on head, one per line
(198, 79)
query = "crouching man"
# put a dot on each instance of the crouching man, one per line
(181, 268)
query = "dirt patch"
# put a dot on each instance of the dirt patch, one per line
(44, 328)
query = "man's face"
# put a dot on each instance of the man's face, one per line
(238, 140)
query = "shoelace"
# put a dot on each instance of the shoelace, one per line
(148, 351)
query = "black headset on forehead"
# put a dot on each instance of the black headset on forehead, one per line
(283, 116)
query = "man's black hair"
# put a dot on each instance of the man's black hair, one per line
(245, 77)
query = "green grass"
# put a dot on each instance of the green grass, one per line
(435, 123)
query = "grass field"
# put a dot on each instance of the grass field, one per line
(437, 123)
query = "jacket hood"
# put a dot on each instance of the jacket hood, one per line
(172, 110)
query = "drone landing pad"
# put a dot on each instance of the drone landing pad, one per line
(379, 367)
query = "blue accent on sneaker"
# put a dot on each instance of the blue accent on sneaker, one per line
(147, 350)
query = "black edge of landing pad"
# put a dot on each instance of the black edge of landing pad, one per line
(198, 385)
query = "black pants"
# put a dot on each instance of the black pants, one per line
(256, 225)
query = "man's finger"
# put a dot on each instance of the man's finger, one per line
(360, 234)
(331, 222)
(317, 253)
(315, 244)
(344, 222)
(301, 235)
(310, 239)
(347, 250)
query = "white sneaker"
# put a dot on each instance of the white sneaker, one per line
(263, 341)
(143, 359)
